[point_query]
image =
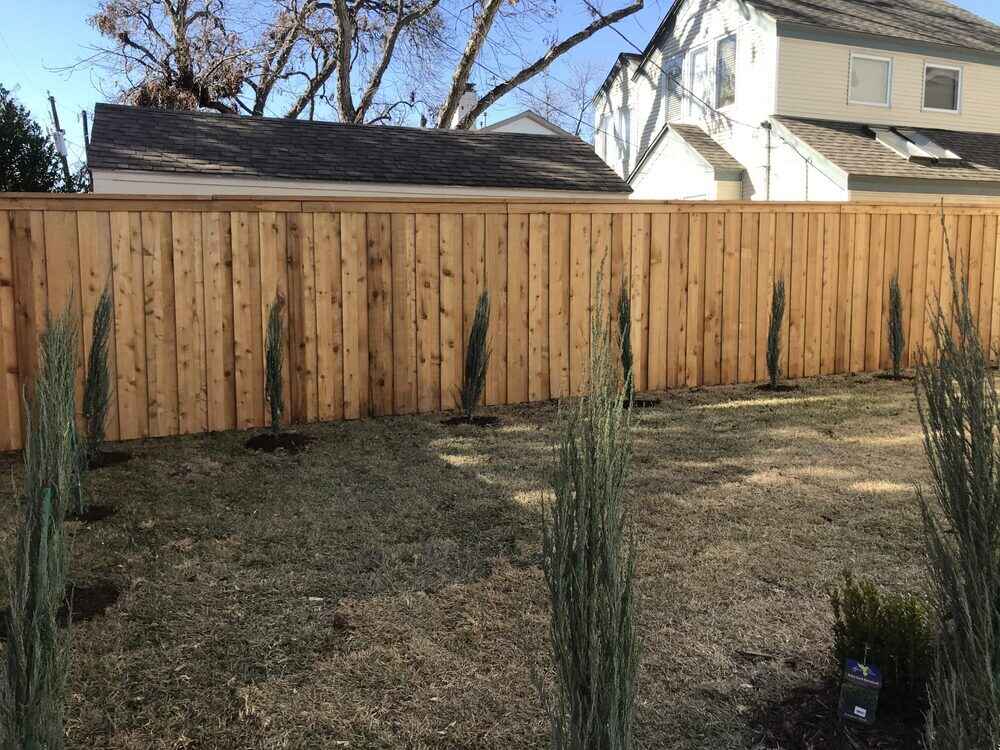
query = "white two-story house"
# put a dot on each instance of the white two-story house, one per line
(824, 100)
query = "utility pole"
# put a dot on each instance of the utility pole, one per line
(60, 138)
(86, 128)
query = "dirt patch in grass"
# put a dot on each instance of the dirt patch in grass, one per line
(270, 442)
(383, 588)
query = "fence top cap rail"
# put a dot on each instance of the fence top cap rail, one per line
(512, 204)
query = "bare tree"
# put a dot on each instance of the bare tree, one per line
(566, 100)
(369, 60)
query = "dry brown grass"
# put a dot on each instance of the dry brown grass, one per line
(382, 589)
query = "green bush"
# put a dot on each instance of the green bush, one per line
(33, 675)
(97, 387)
(274, 361)
(897, 339)
(960, 413)
(891, 631)
(774, 332)
(589, 557)
(477, 359)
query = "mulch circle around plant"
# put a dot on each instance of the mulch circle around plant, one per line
(474, 421)
(779, 388)
(807, 718)
(93, 514)
(270, 442)
(104, 459)
(890, 376)
(84, 602)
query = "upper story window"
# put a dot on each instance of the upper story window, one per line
(942, 88)
(700, 82)
(725, 72)
(871, 80)
(623, 133)
(601, 137)
(673, 74)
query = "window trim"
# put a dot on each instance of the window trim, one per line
(696, 106)
(958, 94)
(736, 61)
(887, 104)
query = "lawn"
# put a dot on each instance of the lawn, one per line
(383, 589)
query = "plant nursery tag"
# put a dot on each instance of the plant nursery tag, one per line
(860, 712)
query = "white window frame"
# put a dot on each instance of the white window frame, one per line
(695, 107)
(961, 85)
(601, 136)
(736, 77)
(887, 104)
(675, 60)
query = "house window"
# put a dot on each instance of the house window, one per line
(622, 133)
(871, 81)
(725, 72)
(673, 75)
(700, 82)
(942, 88)
(601, 137)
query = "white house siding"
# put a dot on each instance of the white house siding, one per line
(813, 79)
(121, 182)
(674, 172)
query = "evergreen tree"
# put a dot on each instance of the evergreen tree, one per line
(274, 362)
(477, 359)
(774, 332)
(29, 162)
(897, 340)
(625, 339)
(97, 387)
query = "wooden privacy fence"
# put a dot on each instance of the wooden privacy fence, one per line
(380, 295)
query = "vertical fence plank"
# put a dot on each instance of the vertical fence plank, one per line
(273, 246)
(994, 239)
(715, 248)
(907, 244)
(354, 287)
(62, 264)
(538, 307)
(30, 292)
(918, 289)
(220, 356)
(329, 315)
(639, 296)
(975, 273)
(161, 333)
(94, 230)
(845, 281)
(600, 265)
(579, 303)
(936, 259)
(695, 326)
(130, 327)
(890, 268)
(797, 295)
(495, 268)
(659, 269)
(559, 266)
(748, 298)
(677, 259)
(517, 307)
(876, 265)
(765, 288)
(380, 313)
(473, 270)
(451, 307)
(302, 316)
(952, 256)
(828, 325)
(814, 295)
(428, 269)
(10, 396)
(731, 299)
(189, 293)
(988, 279)
(621, 259)
(404, 314)
(248, 334)
(783, 269)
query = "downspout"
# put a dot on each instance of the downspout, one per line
(767, 126)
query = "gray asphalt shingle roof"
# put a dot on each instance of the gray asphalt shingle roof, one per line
(718, 158)
(932, 21)
(133, 138)
(853, 148)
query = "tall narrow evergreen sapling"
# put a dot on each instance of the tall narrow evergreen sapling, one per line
(959, 410)
(589, 557)
(274, 361)
(97, 387)
(477, 359)
(33, 675)
(774, 332)
(625, 340)
(897, 340)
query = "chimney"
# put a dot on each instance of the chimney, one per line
(465, 104)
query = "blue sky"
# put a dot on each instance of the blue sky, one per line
(37, 38)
